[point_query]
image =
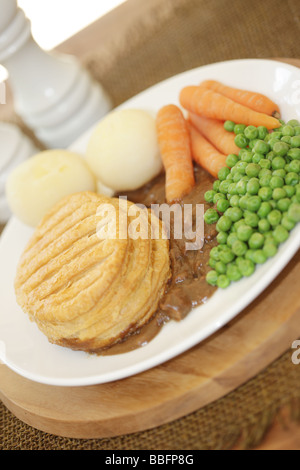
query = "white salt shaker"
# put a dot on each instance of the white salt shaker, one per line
(15, 148)
(53, 94)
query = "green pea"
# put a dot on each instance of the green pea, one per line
(278, 193)
(281, 234)
(265, 163)
(287, 139)
(233, 273)
(212, 263)
(254, 203)
(224, 186)
(273, 141)
(283, 204)
(223, 173)
(287, 223)
(226, 255)
(251, 132)
(223, 281)
(276, 135)
(253, 186)
(264, 181)
(237, 176)
(256, 241)
(249, 255)
(252, 143)
(239, 248)
(295, 141)
(243, 202)
(241, 187)
(211, 216)
(238, 224)
(252, 170)
(288, 131)
(234, 213)
(270, 249)
(244, 232)
(241, 167)
(294, 166)
(297, 130)
(265, 193)
(290, 190)
(259, 257)
(222, 238)
(216, 186)
(239, 129)
(293, 123)
(215, 253)
(261, 147)
(246, 267)
(222, 205)
(294, 154)
(257, 157)
(264, 225)
(229, 126)
(234, 201)
(281, 173)
(232, 160)
(294, 212)
(265, 172)
(270, 155)
(218, 196)
(232, 237)
(264, 210)
(281, 149)
(278, 163)
(274, 217)
(276, 182)
(209, 196)
(262, 132)
(220, 267)
(292, 179)
(241, 141)
(223, 224)
(246, 156)
(212, 278)
(251, 219)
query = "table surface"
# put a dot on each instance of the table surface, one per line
(284, 434)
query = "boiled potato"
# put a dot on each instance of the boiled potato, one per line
(44, 179)
(123, 151)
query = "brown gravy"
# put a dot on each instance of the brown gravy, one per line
(187, 288)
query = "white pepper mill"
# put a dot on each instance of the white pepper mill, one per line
(52, 93)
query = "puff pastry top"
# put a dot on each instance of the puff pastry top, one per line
(84, 279)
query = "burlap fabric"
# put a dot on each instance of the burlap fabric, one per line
(177, 36)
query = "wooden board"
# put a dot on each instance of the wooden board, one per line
(209, 371)
(260, 334)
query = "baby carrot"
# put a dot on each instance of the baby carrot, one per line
(208, 103)
(214, 131)
(175, 147)
(205, 154)
(250, 99)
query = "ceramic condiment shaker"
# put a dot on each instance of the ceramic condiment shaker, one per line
(53, 94)
(15, 148)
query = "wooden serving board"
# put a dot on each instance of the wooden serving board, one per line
(209, 371)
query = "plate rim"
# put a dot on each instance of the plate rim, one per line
(135, 369)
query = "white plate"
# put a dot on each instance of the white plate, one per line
(27, 351)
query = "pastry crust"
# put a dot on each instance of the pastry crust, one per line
(83, 278)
